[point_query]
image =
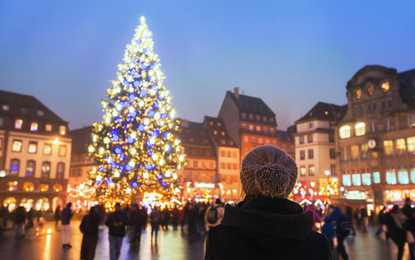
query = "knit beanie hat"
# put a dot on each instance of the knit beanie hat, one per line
(268, 171)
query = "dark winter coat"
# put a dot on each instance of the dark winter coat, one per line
(89, 225)
(20, 215)
(337, 217)
(397, 234)
(137, 218)
(409, 213)
(117, 216)
(266, 228)
(66, 215)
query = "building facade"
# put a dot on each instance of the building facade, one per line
(376, 138)
(249, 121)
(287, 141)
(316, 151)
(35, 153)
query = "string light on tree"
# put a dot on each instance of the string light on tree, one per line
(135, 146)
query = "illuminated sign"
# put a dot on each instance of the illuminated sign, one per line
(204, 185)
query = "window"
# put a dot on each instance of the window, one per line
(383, 105)
(234, 155)
(246, 139)
(356, 179)
(258, 118)
(1, 122)
(12, 185)
(388, 147)
(258, 128)
(376, 177)
(345, 132)
(253, 142)
(413, 173)
(332, 153)
(374, 107)
(310, 154)
(370, 90)
(57, 187)
(28, 186)
(390, 103)
(302, 170)
(333, 169)
(354, 151)
(311, 170)
(310, 138)
(366, 179)
(271, 120)
(48, 127)
(411, 121)
(229, 166)
(45, 170)
(264, 119)
(1, 143)
(235, 166)
(358, 93)
(403, 177)
(369, 108)
(302, 155)
(40, 112)
(389, 124)
(310, 125)
(363, 151)
(331, 138)
(222, 153)
(400, 146)
(360, 129)
(34, 127)
(44, 187)
(410, 141)
(207, 152)
(60, 170)
(228, 154)
(18, 123)
(17, 146)
(251, 127)
(14, 166)
(62, 129)
(344, 153)
(47, 149)
(5, 107)
(243, 115)
(195, 163)
(260, 141)
(390, 176)
(32, 147)
(385, 87)
(222, 165)
(251, 116)
(223, 133)
(272, 130)
(346, 180)
(30, 168)
(372, 127)
(302, 139)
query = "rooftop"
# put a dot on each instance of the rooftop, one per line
(323, 111)
(217, 132)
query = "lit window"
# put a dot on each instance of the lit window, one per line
(57, 187)
(223, 133)
(48, 127)
(5, 107)
(413, 173)
(45, 170)
(33, 127)
(388, 147)
(354, 151)
(311, 170)
(363, 150)
(376, 177)
(251, 116)
(222, 165)
(47, 149)
(366, 180)
(246, 139)
(258, 128)
(30, 168)
(18, 123)
(17, 146)
(62, 129)
(345, 132)
(1, 143)
(390, 176)
(356, 179)
(385, 86)
(389, 124)
(344, 153)
(403, 177)
(44, 187)
(32, 147)
(14, 166)
(370, 90)
(1, 122)
(222, 153)
(360, 129)
(400, 146)
(411, 144)
(28, 186)
(358, 94)
(347, 180)
(12, 185)
(60, 170)
(243, 115)
(258, 118)
(264, 119)
(215, 132)
(302, 170)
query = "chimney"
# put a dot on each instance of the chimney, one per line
(236, 92)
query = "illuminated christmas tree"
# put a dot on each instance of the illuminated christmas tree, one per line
(135, 147)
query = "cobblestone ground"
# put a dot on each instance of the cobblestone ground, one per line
(170, 245)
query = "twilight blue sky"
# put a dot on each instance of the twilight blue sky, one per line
(290, 53)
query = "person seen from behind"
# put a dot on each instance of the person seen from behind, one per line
(381, 220)
(57, 215)
(89, 229)
(266, 225)
(409, 213)
(67, 214)
(214, 214)
(20, 219)
(316, 216)
(328, 230)
(396, 229)
(116, 221)
(155, 216)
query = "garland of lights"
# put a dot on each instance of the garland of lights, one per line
(135, 147)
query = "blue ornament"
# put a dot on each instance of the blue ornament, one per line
(134, 73)
(131, 97)
(160, 177)
(148, 166)
(149, 145)
(101, 169)
(152, 78)
(164, 184)
(114, 132)
(150, 153)
(151, 113)
(118, 150)
(163, 116)
(121, 168)
(126, 83)
(127, 104)
(168, 148)
(108, 181)
(138, 41)
(128, 167)
(136, 83)
(141, 128)
(122, 157)
(165, 134)
(115, 138)
(134, 184)
(119, 120)
(130, 140)
(159, 97)
(156, 104)
(130, 119)
(154, 134)
(143, 93)
(152, 66)
(114, 164)
(133, 114)
(143, 66)
(153, 86)
(145, 50)
(133, 61)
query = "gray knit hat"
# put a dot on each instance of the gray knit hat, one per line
(268, 171)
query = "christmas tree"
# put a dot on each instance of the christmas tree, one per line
(135, 147)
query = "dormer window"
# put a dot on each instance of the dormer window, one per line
(40, 112)
(18, 123)
(62, 130)
(5, 107)
(23, 110)
(358, 94)
(48, 128)
(385, 86)
(223, 133)
(34, 126)
(219, 124)
(370, 90)
(215, 132)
